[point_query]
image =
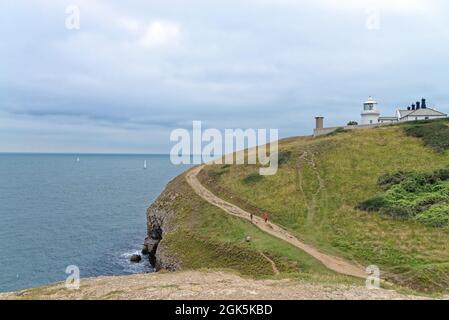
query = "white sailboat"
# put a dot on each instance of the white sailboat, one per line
(78, 159)
(145, 164)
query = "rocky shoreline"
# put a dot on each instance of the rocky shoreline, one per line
(160, 221)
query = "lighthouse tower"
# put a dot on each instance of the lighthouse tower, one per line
(370, 114)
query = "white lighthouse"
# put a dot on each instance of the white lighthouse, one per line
(370, 114)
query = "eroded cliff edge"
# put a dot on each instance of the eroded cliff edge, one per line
(161, 220)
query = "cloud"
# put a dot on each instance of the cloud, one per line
(161, 34)
(146, 67)
(129, 24)
(398, 6)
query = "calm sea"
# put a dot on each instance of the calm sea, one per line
(56, 211)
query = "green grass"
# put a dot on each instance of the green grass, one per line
(219, 171)
(348, 166)
(206, 237)
(284, 157)
(408, 252)
(337, 131)
(435, 134)
(252, 178)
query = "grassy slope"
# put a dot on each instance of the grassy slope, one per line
(349, 165)
(207, 238)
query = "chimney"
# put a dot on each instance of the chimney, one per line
(418, 105)
(319, 123)
(413, 107)
(423, 103)
(409, 108)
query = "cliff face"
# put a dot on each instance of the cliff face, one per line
(160, 221)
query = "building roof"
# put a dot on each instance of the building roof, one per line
(370, 100)
(404, 113)
(388, 118)
(420, 112)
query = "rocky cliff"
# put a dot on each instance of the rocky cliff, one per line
(161, 221)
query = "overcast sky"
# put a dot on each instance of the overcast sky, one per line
(135, 70)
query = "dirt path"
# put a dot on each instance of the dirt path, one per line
(273, 265)
(331, 262)
(320, 194)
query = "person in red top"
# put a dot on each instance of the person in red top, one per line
(265, 217)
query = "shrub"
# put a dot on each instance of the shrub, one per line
(388, 180)
(284, 157)
(216, 173)
(443, 174)
(252, 178)
(353, 123)
(398, 212)
(435, 134)
(411, 186)
(423, 197)
(435, 216)
(373, 204)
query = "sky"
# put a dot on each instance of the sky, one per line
(136, 70)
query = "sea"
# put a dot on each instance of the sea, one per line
(82, 210)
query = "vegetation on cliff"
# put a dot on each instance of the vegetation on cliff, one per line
(434, 133)
(316, 193)
(423, 197)
(201, 236)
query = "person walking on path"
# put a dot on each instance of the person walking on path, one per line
(265, 217)
(251, 216)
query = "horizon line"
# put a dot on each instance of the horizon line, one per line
(84, 153)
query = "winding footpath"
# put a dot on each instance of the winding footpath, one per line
(331, 262)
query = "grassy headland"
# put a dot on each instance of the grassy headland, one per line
(317, 196)
(204, 237)
(317, 190)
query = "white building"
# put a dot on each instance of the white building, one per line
(418, 111)
(370, 114)
(419, 114)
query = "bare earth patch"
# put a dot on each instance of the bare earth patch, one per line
(196, 285)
